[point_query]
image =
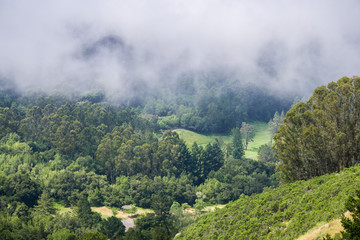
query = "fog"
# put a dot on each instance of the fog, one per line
(119, 46)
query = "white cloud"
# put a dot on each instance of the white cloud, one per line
(288, 45)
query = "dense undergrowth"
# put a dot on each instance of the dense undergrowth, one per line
(286, 212)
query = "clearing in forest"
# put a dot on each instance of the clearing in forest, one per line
(262, 136)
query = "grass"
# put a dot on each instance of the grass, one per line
(332, 228)
(201, 139)
(300, 210)
(262, 136)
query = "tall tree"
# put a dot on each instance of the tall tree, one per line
(212, 159)
(322, 135)
(237, 145)
(112, 227)
(248, 133)
(87, 217)
(45, 205)
(197, 157)
(275, 123)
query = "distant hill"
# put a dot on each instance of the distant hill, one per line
(286, 212)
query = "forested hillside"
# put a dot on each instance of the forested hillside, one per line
(80, 151)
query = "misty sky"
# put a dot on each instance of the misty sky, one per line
(284, 45)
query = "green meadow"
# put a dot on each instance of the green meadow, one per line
(262, 136)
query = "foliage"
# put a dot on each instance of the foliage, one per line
(237, 145)
(266, 155)
(352, 225)
(247, 131)
(275, 123)
(322, 135)
(285, 212)
(112, 227)
(80, 152)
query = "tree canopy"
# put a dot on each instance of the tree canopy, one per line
(321, 135)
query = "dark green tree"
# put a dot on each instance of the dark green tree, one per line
(112, 227)
(237, 145)
(87, 217)
(93, 236)
(45, 205)
(20, 187)
(197, 158)
(321, 135)
(212, 159)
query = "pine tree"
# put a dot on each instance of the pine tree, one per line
(238, 147)
(87, 217)
(45, 205)
(112, 227)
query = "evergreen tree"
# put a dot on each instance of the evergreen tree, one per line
(275, 123)
(213, 159)
(45, 205)
(87, 217)
(197, 158)
(112, 227)
(237, 145)
(184, 161)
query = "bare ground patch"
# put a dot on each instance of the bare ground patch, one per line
(330, 228)
(107, 212)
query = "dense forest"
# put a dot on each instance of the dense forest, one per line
(82, 151)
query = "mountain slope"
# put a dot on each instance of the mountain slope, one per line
(286, 212)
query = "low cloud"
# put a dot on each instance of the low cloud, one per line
(119, 45)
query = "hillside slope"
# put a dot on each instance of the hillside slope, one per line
(286, 212)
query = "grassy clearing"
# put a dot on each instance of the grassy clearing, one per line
(262, 136)
(201, 139)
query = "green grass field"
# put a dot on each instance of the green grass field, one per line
(262, 136)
